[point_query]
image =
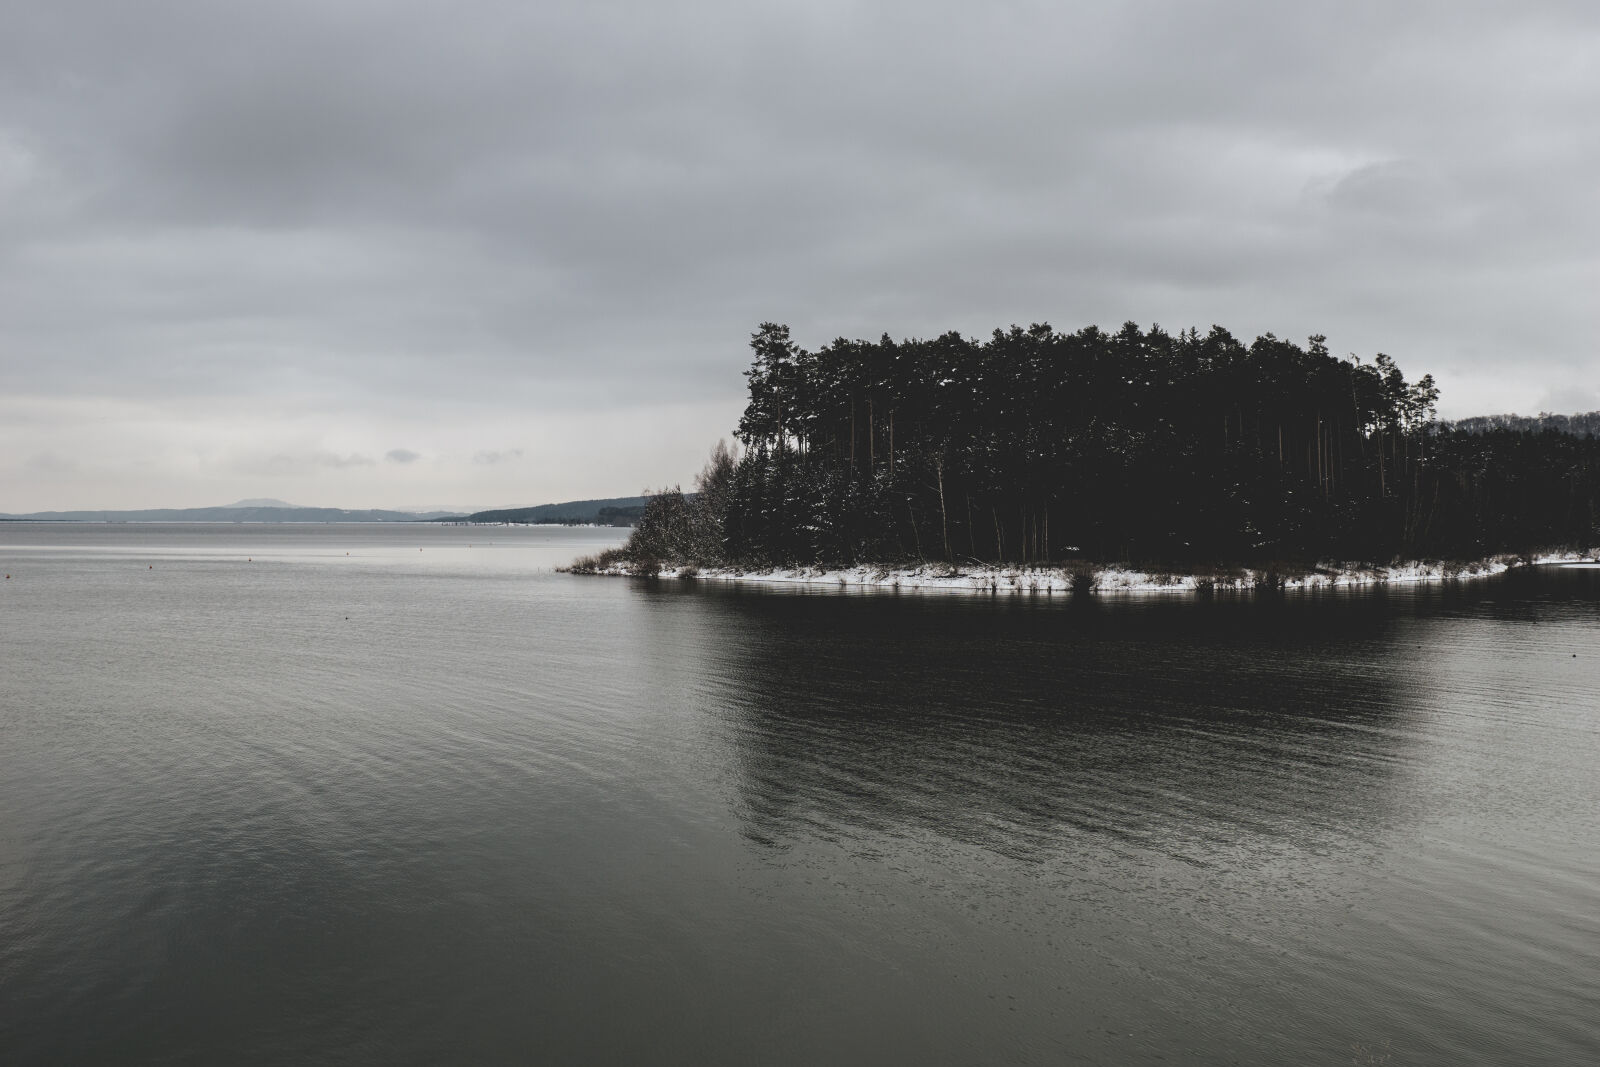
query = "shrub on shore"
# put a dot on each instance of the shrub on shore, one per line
(676, 529)
(608, 560)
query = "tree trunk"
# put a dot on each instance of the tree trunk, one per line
(1383, 485)
(944, 516)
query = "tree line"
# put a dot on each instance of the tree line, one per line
(1581, 425)
(1037, 447)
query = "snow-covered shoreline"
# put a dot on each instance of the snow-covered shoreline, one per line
(1101, 579)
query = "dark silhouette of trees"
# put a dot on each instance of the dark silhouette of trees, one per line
(1036, 447)
(679, 528)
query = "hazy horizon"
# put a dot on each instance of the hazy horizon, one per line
(415, 509)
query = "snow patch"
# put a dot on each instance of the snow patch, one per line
(1111, 579)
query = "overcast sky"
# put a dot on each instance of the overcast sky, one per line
(361, 254)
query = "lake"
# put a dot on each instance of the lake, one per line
(403, 794)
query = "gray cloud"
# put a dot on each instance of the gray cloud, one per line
(280, 465)
(490, 456)
(408, 217)
(49, 463)
(330, 459)
(402, 455)
(1570, 400)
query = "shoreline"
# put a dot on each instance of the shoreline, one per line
(1088, 578)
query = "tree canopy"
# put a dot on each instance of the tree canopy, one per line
(1035, 446)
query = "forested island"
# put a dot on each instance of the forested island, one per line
(1178, 452)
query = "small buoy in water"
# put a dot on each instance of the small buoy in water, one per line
(152, 566)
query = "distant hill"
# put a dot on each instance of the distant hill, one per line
(1578, 425)
(244, 511)
(613, 511)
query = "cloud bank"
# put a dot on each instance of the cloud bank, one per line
(233, 235)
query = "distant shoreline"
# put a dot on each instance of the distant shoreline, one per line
(611, 511)
(241, 522)
(1084, 578)
(307, 522)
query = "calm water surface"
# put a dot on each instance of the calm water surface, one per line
(360, 794)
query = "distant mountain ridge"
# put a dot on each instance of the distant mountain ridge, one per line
(617, 510)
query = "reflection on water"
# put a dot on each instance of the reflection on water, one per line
(1326, 778)
(261, 804)
(1037, 730)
